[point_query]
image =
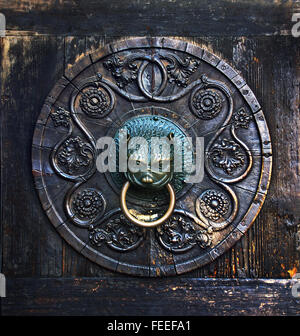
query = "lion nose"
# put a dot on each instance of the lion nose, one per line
(147, 179)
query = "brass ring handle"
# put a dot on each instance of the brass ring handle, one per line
(140, 222)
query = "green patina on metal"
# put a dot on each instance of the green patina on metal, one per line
(149, 184)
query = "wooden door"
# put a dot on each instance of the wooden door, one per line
(45, 275)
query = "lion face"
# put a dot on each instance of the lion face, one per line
(156, 166)
(155, 170)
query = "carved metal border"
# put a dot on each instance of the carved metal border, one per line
(240, 84)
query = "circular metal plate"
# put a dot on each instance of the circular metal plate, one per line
(198, 92)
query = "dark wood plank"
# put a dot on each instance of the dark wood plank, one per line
(184, 297)
(239, 32)
(158, 17)
(29, 67)
(75, 264)
(267, 250)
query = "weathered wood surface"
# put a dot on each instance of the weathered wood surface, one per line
(125, 297)
(155, 17)
(32, 248)
(31, 63)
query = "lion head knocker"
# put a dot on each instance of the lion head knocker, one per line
(152, 143)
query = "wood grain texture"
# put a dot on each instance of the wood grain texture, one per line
(27, 64)
(32, 248)
(74, 263)
(268, 248)
(34, 56)
(155, 17)
(125, 297)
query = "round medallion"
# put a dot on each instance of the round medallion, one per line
(213, 204)
(153, 88)
(151, 127)
(206, 104)
(86, 206)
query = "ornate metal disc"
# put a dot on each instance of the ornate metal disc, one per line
(189, 90)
